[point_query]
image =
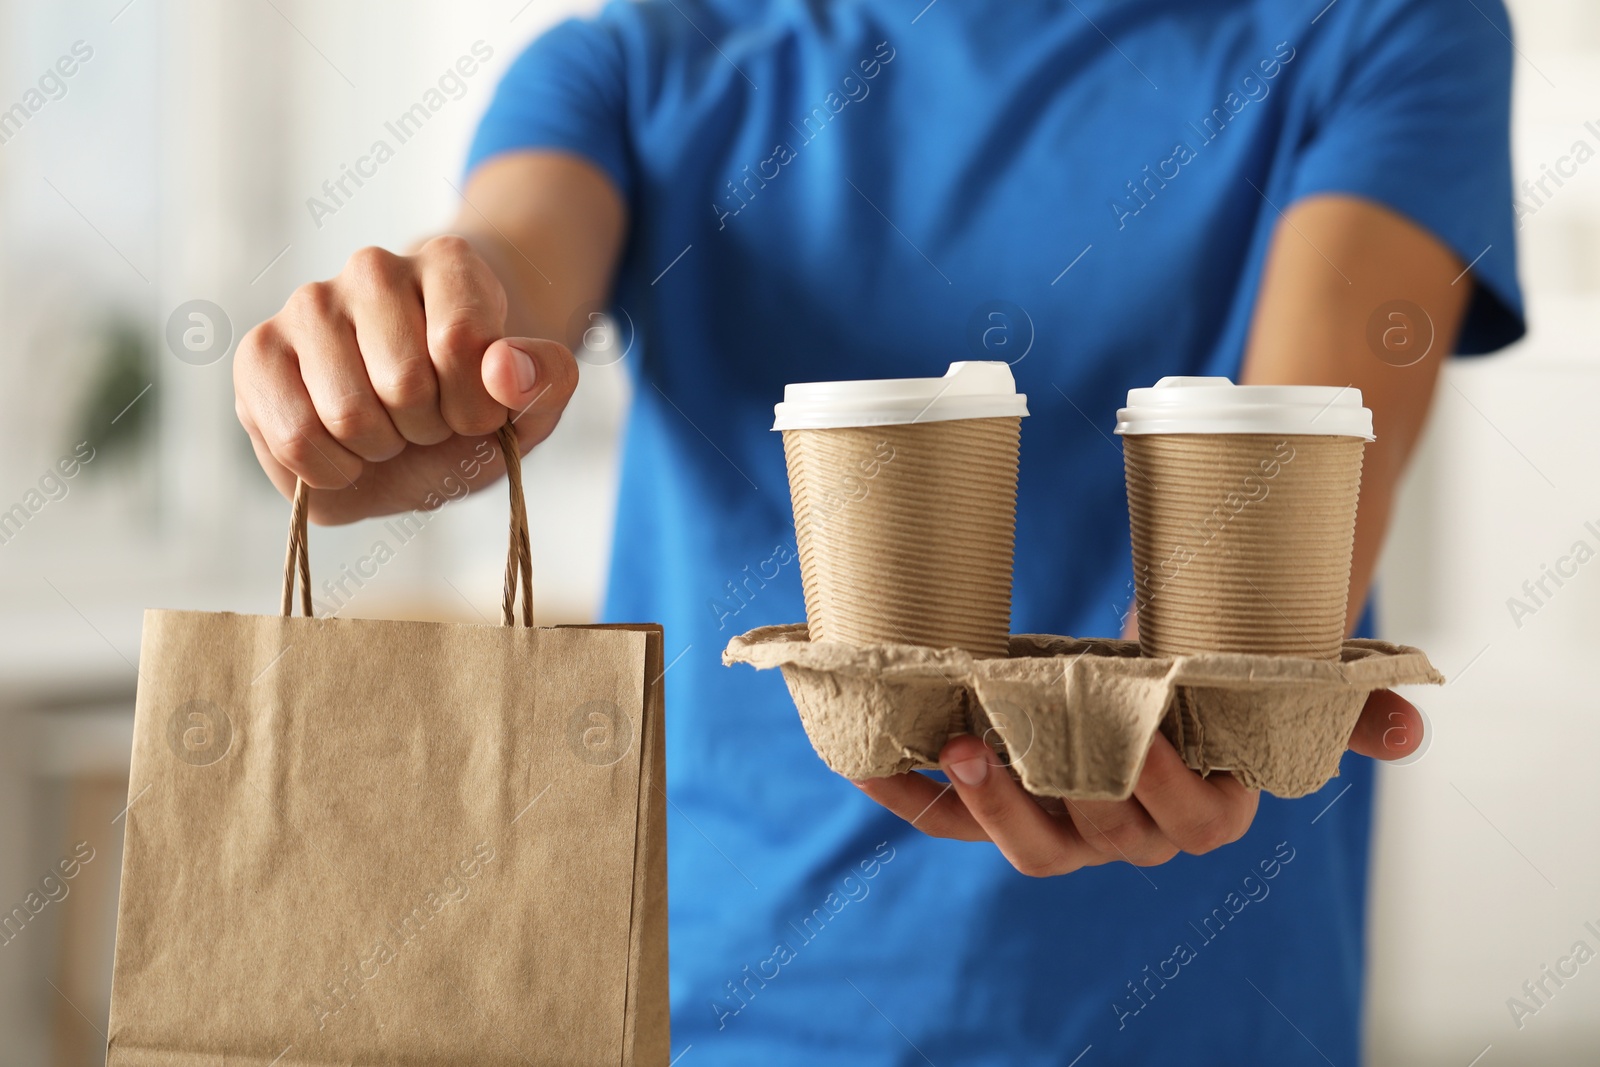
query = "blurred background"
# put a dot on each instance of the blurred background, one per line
(174, 165)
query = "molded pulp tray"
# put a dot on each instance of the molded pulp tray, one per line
(1074, 718)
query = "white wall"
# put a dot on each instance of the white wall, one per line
(1485, 866)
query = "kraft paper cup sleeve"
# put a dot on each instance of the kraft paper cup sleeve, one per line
(1242, 507)
(875, 564)
(1229, 558)
(1075, 718)
(869, 462)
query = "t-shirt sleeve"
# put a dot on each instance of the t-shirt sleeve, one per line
(1420, 122)
(566, 91)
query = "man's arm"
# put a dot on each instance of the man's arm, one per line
(1335, 261)
(376, 386)
(551, 228)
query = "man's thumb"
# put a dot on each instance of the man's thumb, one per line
(1390, 727)
(526, 373)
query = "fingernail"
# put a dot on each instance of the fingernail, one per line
(524, 369)
(970, 771)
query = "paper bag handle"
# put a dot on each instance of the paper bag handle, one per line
(519, 559)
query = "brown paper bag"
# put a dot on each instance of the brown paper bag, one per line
(356, 842)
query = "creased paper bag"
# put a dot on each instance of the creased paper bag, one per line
(357, 842)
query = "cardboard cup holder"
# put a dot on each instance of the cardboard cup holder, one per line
(1074, 718)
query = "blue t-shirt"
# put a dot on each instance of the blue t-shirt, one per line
(832, 190)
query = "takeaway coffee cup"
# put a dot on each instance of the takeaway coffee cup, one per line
(1242, 505)
(905, 494)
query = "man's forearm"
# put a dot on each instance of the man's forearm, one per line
(550, 226)
(1327, 275)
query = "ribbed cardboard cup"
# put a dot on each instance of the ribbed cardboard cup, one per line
(905, 532)
(1242, 542)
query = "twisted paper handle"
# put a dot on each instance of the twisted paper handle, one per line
(519, 558)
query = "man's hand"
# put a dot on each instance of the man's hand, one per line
(1172, 809)
(374, 386)
(378, 386)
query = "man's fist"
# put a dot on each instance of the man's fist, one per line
(375, 385)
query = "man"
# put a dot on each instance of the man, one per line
(779, 191)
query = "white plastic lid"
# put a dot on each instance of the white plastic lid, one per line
(971, 390)
(1216, 405)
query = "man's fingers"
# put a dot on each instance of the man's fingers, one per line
(267, 376)
(282, 477)
(930, 806)
(385, 308)
(1035, 843)
(335, 376)
(534, 379)
(1390, 727)
(1121, 830)
(465, 307)
(1196, 814)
